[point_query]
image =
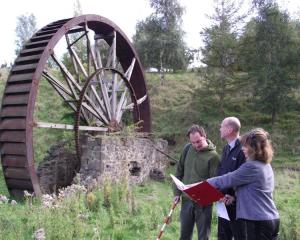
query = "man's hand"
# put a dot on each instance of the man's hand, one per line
(228, 199)
(176, 199)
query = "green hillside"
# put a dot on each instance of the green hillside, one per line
(182, 100)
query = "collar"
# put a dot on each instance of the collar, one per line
(232, 143)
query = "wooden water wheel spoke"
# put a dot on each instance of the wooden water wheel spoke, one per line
(70, 100)
(114, 95)
(104, 91)
(111, 86)
(70, 90)
(98, 53)
(111, 60)
(128, 72)
(131, 105)
(98, 79)
(95, 112)
(119, 113)
(121, 103)
(68, 127)
(72, 57)
(101, 103)
(79, 63)
(91, 54)
(71, 82)
(75, 59)
(58, 85)
(123, 98)
(95, 95)
(130, 69)
(124, 106)
(68, 76)
(61, 90)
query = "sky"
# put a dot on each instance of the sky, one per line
(124, 13)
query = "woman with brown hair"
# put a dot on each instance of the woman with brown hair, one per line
(254, 184)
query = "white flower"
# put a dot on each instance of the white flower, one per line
(49, 201)
(39, 234)
(71, 190)
(3, 199)
(27, 194)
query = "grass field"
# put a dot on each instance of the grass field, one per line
(121, 212)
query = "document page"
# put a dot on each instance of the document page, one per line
(180, 185)
(221, 210)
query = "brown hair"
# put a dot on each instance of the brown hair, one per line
(196, 128)
(259, 145)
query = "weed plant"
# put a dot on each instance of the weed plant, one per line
(125, 212)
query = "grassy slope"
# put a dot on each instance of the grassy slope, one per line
(181, 101)
(175, 105)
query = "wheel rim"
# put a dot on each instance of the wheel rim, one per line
(18, 104)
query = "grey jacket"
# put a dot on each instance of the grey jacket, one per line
(254, 183)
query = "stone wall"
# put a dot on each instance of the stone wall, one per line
(119, 158)
(58, 167)
(106, 158)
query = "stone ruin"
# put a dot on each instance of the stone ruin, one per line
(112, 158)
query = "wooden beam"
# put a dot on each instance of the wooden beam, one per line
(68, 127)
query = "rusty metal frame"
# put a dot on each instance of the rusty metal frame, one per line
(82, 98)
(16, 122)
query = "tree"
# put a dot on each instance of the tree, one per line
(274, 66)
(159, 38)
(220, 49)
(79, 46)
(26, 27)
(77, 8)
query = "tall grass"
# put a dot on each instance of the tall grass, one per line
(121, 211)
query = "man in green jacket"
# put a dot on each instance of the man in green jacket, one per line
(198, 161)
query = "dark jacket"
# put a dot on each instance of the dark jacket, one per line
(230, 161)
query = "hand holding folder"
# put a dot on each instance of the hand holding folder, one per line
(202, 192)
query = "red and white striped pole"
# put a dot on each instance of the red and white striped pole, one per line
(167, 219)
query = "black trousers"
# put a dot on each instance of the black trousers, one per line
(262, 230)
(192, 214)
(228, 230)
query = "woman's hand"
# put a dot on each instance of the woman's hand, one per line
(228, 199)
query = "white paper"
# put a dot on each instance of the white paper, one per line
(180, 185)
(221, 210)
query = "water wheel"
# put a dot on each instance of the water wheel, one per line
(100, 80)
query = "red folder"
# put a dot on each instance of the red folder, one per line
(202, 192)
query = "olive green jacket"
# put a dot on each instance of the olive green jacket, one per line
(195, 166)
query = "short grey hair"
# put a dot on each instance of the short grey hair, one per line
(233, 122)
